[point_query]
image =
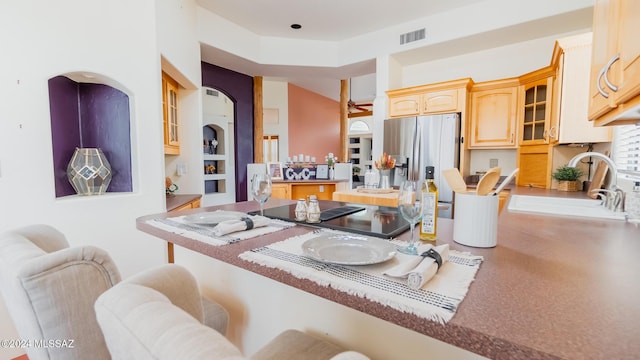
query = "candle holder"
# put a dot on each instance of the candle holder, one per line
(89, 171)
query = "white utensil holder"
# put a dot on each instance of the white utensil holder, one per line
(475, 220)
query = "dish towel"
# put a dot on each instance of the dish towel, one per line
(246, 223)
(418, 270)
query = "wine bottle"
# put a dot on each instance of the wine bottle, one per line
(429, 193)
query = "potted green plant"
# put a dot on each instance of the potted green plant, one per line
(567, 177)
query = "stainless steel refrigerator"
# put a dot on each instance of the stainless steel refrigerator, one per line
(420, 141)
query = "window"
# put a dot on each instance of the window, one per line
(626, 149)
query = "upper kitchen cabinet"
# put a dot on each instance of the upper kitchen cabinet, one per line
(569, 121)
(534, 109)
(615, 66)
(170, 115)
(534, 156)
(439, 98)
(493, 114)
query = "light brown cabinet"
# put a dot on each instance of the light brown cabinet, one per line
(615, 65)
(439, 101)
(436, 98)
(170, 115)
(534, 109)
(494, 114)
(292, 190)
(535, 162)
(281, 191)
(534, 156)
(407, 105)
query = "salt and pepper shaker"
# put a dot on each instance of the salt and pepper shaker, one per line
(301, 210)
(313, 211)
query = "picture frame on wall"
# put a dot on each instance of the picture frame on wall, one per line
(322, 171)
(275, 170)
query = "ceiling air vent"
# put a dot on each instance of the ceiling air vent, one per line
(212, 93)
(412, 36)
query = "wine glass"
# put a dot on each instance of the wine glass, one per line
(261, 189)
(411, 210)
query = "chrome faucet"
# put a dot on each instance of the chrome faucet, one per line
(614, 199)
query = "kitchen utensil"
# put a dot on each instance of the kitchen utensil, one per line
(488, 181)
(455, 180)
(506, 181)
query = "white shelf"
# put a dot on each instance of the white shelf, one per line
(214, 157)
(215, 177)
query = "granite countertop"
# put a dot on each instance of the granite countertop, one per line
(552, 288)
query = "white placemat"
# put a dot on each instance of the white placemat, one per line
(205, 234)
(437, 300)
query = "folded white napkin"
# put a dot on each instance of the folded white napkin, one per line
(246, 223)
(418, 269)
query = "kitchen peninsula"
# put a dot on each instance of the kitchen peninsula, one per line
(553, 287)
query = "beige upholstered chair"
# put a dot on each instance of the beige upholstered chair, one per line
(50, 290)
(155, 316)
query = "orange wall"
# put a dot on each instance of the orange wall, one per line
(314, 124)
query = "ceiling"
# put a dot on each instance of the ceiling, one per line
(329, 20)
(338, 20)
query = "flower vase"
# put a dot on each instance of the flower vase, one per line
(332, 173)
(384, 179)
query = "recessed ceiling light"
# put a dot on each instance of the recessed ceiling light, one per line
(296, 26)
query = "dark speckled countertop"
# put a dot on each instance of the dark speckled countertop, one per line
(553, 287)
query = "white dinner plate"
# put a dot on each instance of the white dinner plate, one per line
(349, 249)
(213, 218)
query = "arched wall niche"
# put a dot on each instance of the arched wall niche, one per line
(218, 125)
(90, 110)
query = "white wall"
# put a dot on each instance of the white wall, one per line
(40, 40)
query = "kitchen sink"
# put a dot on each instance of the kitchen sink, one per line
(563, 206)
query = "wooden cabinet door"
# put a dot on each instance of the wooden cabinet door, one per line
(280, 191)
(629, 50)
(535, 112)
(439, 102)
(170, 115)
(535, 166)
(493, 118)
(322, 191)
(407, 105)
(604, 49)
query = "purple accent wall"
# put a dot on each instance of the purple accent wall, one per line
(65, 130)
(89, 115)
(239, 88)
(104, 122)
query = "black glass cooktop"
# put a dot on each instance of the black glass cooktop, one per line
(379, 221)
